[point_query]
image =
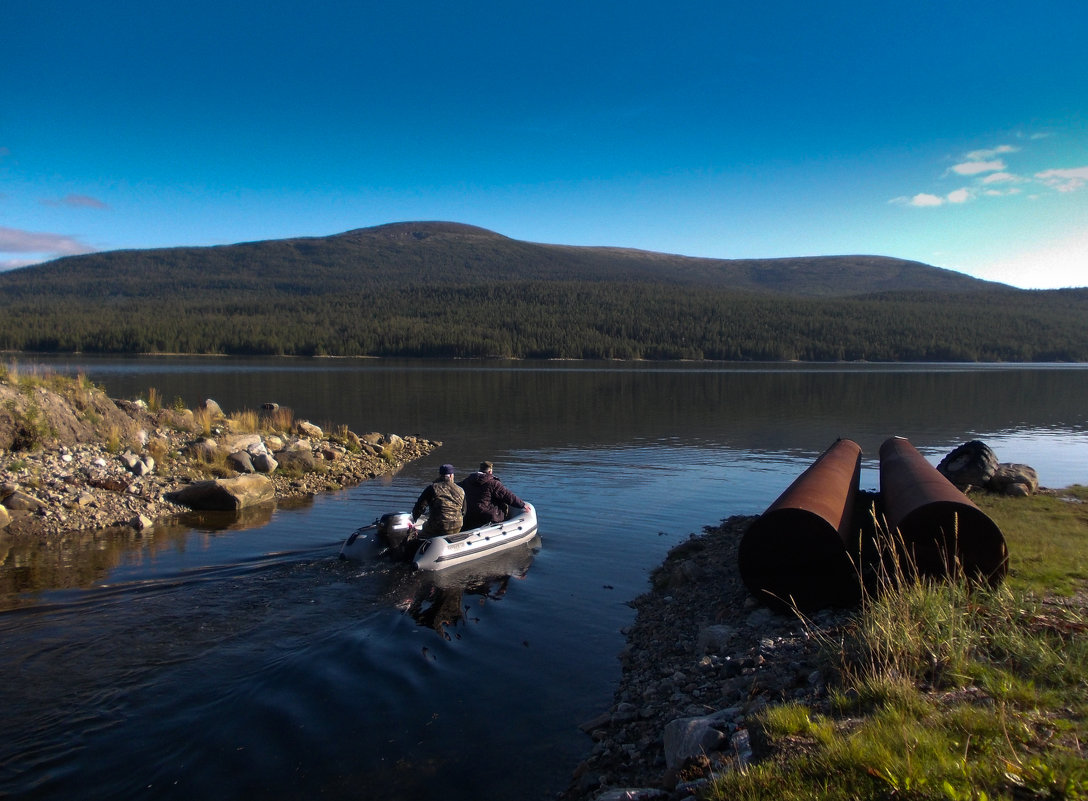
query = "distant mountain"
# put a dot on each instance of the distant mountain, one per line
(449, 290)
(452, 252)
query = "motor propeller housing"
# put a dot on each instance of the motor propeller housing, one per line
(395, 528)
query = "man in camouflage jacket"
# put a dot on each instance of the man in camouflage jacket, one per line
(444, 503)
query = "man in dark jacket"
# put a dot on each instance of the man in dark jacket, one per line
(486, 498)
(444, 503)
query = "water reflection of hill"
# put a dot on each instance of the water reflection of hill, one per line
(756, 410)
(546, 404)
(83, 559)
(76, 560)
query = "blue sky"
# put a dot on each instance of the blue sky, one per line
(953, 133)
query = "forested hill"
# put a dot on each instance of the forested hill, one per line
(452, 253)
(445, 289)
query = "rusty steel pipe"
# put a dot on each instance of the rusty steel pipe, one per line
(942, 531)
(796, 554)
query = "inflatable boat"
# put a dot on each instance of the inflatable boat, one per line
(398, 536)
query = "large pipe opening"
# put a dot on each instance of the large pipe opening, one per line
(942, 533)
(795, 553)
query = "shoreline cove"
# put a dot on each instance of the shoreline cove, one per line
(700, 661)
(690, 652)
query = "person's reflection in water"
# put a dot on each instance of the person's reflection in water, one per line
(440, 602)
(439, 607)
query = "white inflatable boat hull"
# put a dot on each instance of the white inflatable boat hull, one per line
(438, 553)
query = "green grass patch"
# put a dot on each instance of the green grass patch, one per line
(1047, 537)
(948, 691)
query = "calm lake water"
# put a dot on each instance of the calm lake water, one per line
(232, 658)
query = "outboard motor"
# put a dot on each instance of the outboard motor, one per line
(395, 528)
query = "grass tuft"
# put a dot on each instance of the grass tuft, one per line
(204, 420)
(113, 440)
(279, 420)
(244, 422)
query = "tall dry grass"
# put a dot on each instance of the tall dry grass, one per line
(204, 421)
(279, 420)
(245, 421)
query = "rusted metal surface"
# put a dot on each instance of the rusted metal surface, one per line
(943, 533)
(796, 552)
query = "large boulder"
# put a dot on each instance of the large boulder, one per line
(301, 461)
(352, 441)
(715, 639)
(22, 502)
(203, 449)
(250, 443)
(226, 494)
(1014, 479)
(264, 463)
(685, 738)
(241, 461)
(972, 464)
(179, 419)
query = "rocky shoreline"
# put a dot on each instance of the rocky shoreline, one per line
(702, 657)
(96, 463)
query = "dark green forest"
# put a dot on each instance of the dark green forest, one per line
(440, 290)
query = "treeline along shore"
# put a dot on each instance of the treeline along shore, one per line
(447, 290)
(74, 459)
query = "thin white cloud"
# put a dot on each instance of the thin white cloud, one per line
(78, 201)
(987, 155)
(1064, 180)
(1001, 178)
(15, 240)
(925, 199)
(978, 167)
